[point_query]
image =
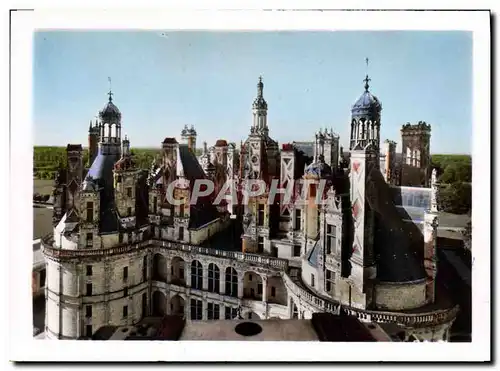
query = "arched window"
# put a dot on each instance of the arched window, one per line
(196, 275)
(213, 278)
(231, 282)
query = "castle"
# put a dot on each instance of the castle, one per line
(122, 250)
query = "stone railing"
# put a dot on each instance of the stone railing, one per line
(406, 319)
(281, 264)
(56, 253)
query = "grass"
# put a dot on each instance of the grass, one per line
(43, 186)
(42, 222)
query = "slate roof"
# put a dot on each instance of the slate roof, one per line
(190, 166)
(101, 172)
(367, 104)
(305, 147)
(398, 245)
(313, 255)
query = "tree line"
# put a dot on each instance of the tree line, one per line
(455, 182)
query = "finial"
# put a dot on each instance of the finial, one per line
(126, 138)
(367, 79)
(110, 92)
(260, 86)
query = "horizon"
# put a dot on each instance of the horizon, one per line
(162, 81)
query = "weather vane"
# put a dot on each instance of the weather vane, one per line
(367, 79)
(110, 93)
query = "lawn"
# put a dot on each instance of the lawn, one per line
(43, 186)
(42, 222)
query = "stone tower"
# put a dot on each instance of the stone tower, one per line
(326, 144)
(388, 161)
(365, 152)
(74, 174)
(188, 136)
(259, 160)
(415, 167)
(93, 142)
(125, 181)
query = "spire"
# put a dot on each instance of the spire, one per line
(260, 87)
(90, 126)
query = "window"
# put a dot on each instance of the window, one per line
(250, 277)
(129, 191)
(330, 281)
(90, 212)
(312, 280)
(125, 273)
(249, 315)
(273, 291)
(181, 209)
(129, 237)
(89, 270)
(196, 275)
(213, 311)
(297, 220)
(120, 237)
(145, 268)
(88, 330)
(231, 282)
(129, 211)
(181, 273)
(196, 309)
(213, 278)
(89, 238)
(155, 204)
(125, 311)
(43, 275)
(119, 179)
(125, 292)
(259, 289)
(296, 250)
(230, 313)
(330, 238)
(295, 312)
(260, 216)
(89, 289)
(260, 245)
(88, 311)
(181, 233)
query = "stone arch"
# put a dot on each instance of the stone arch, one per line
(159, 304)
(177, 271)
(177, 306)
(213, 278)
(252, 285)
(159, 268)
(231, 282)
(196, 275)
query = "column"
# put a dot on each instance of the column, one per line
(204, 310)
(187, 273)
(264, 289)
(222, 311)
(222, 281)
(240, 285)
(205, 278)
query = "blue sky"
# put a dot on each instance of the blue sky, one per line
(164, 80)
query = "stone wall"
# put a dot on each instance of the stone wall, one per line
(400, 296)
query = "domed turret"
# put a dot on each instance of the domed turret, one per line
(110, 113)
(367, 104)
(365, 121)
